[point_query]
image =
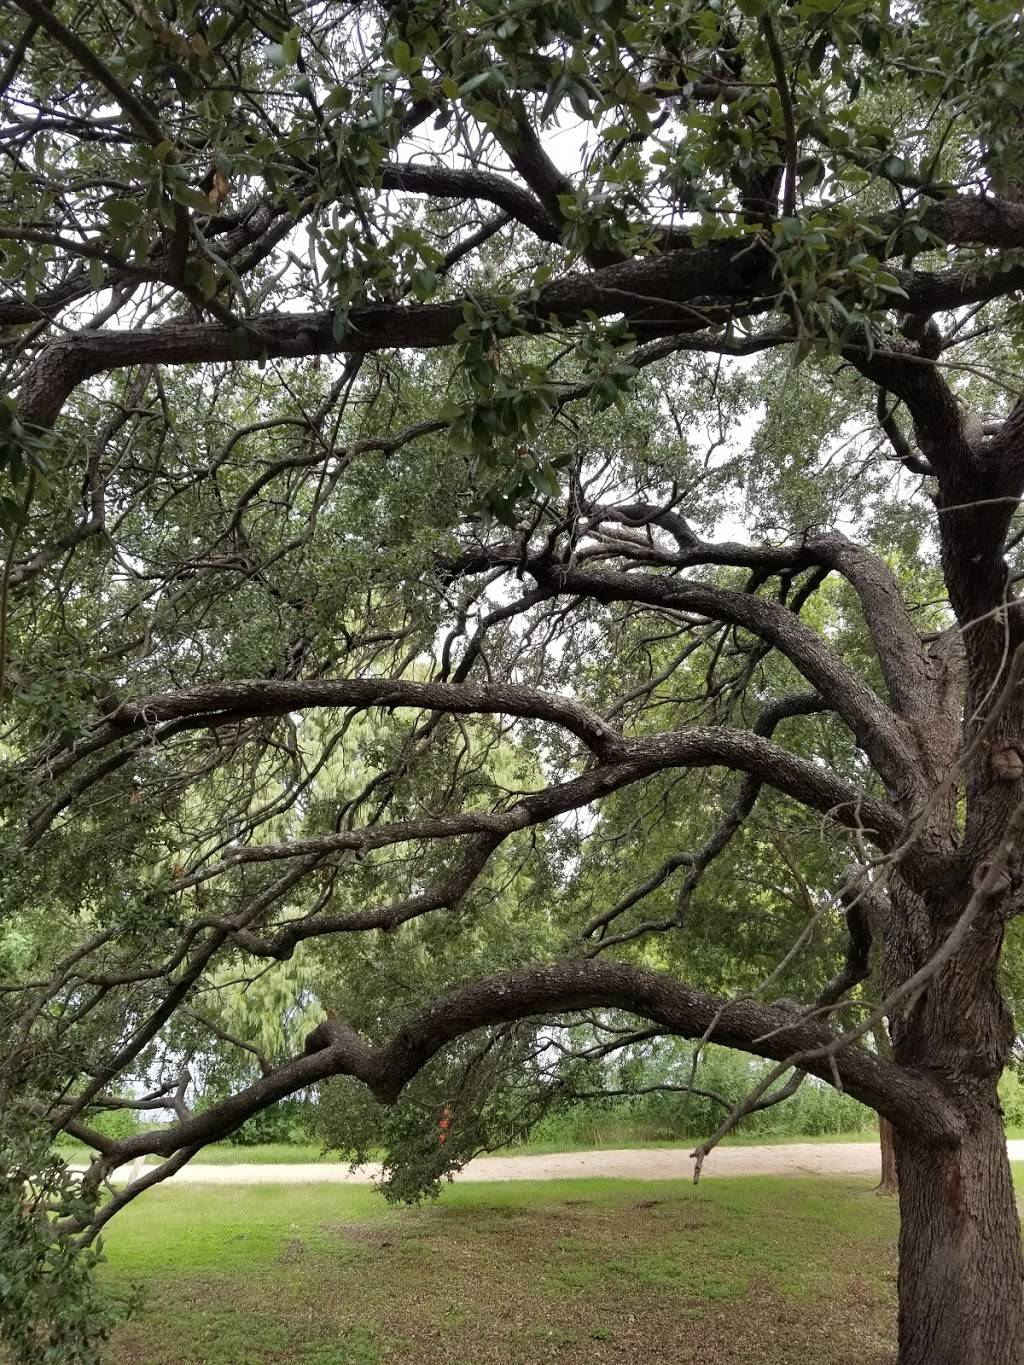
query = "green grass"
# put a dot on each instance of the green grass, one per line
(226, 1154)
(515, 1273)
(264, 1153)
(283, 1153)
(615, 1141)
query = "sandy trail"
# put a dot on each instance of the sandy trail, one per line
(648, 1163)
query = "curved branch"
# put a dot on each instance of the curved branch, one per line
(905, 665)
(140, 114)
(883, 736)
(803, 704)
(388, 918)
(909, 1100)
(655, 293)
(441, 182)
(623, 761)
(211, 703)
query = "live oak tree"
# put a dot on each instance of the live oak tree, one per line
(411, 358)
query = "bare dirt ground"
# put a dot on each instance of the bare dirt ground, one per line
(650, 1163)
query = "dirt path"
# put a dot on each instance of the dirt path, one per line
(650, 1163)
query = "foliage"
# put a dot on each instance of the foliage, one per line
(51, 1309)
(508, 512)
(470, 1099)
(815, 1111)
(286, 1121)
(118, 1123)
(1011, 1098)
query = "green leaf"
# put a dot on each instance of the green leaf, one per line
(123, 212)
(404, 58)
(579, 99)
(290, 46)
(817, 53)
(425, 282)
(218, 28)
(475, 82)
(192, 197)
(545, 480)
(811, 172)
(554, 96)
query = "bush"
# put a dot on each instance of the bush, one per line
(117, 1123)
(816, 1110)
(1011, 1099)
(286, 1121)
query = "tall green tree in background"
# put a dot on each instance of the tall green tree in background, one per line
(628, 392)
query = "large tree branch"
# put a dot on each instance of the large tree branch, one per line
(209, 703)
(767, 763)
(976, 220)
(698, 861)
(657, 294)
(907, 669)
(913, 375)
(882, 735)
(388, 917)
(909, 1100)
(622, 760)
(441, 182)
(661, 283)
(979, 487)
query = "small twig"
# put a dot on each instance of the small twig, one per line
(788, 121)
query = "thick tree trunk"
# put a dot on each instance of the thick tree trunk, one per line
(961, 1275)
(889, 1183)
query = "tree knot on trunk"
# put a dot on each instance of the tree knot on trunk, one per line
(991, 882)
(1007, 761)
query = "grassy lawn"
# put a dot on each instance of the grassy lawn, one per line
(224, 1154)
(749, 1271)
(287, 1153)
(733, 1140)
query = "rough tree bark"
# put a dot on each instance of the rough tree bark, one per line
(961, 1278)
(959, 1247)
(961, 1272)
(961, 1287)
(888, 1183)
